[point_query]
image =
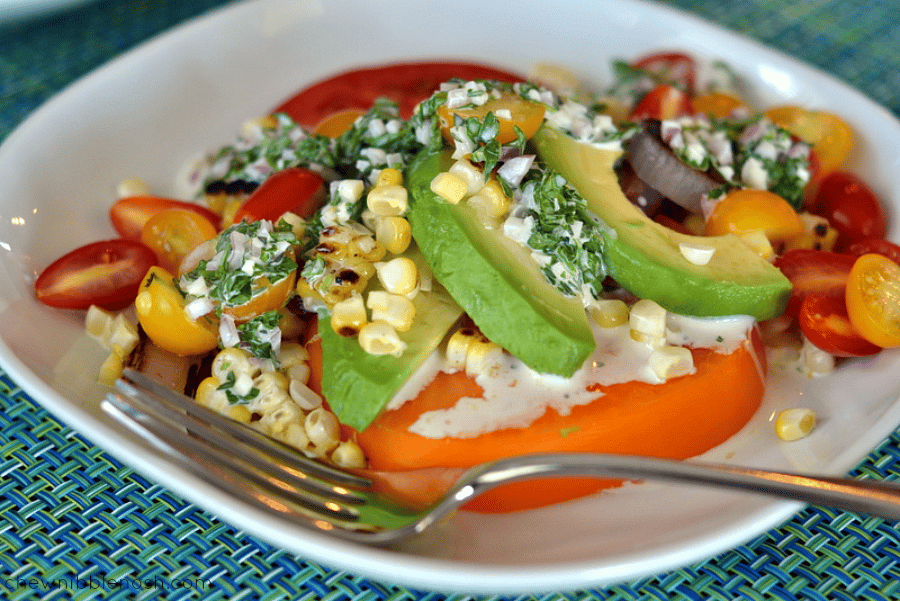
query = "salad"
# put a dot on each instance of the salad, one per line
(464, 264)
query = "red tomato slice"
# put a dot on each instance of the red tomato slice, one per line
(129, 215)
(876, 246)
(813, 271)
(824, 321)
(405, 83)
(662, 102)
(674, 68)
(292, 189)
(851, 207)
(107, 274)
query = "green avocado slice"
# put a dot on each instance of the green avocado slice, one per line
(495, 280)
(646, 258)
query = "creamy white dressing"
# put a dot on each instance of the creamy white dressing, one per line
(516, 396)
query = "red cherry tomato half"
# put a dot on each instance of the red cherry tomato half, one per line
(673, 68)
(129, 215)
(812, 271)
(824, 321)
(405, 83)
(851, 207)
(877, 246)
(662, 102)
(107, 274)
(292, 189)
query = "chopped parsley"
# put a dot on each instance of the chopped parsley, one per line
(233, 397)
(261, 336)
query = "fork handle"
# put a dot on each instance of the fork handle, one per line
(869, 497)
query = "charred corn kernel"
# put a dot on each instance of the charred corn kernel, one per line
(398, 276)
(348, 454)
(388, 200)
(794, 424)
(394, 234)
(458, 348)
(311, 298)
(482, 356)
(394, 309)
(609, 313)
(647, 321)
(132, 186)
(470, 174)
(491, 200)
(365, 248)
(322, 428)
(389, 177)
(450, 187)
(671, 362)
(232, 361)
(349, 316)
(253, 128)
(304, 396)
(814, 361)
(380, 338)
(698, 254)
(817, 234)
(760, 244)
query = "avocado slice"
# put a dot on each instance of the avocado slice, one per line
(495, 280)
(359, 385)
(645, 257)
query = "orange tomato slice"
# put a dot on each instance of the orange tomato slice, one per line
(173, 233)
(336, 124)
(717, 104)
(511, 112)
(831, 136)
(873, 299)
(745, 211)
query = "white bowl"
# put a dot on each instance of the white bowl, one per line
(189, 90)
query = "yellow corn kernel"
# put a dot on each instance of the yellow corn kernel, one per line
(349, 316)
(450, 187)
(304, 396)
(379, 338)
(270, 383)
(794, 424)
(311, 297)
(482, 356)
(290, 325)
(132, 186)
(295, 435)
(97, 323)
(491, 200)
(388, 200)
(389, 177)
(298, 373)
(232, 361)
(393, 233)
(398, 276)
(469, 173)
(671, 362)
(350, 190)
(394, 309)
(322, 428)
(292, 353)
(208, 393)
(647, 321)
(348, 454)
(111, 369)
(759, 242)
(458, 348)
(609, 313)
(365, 248)
(239, 413)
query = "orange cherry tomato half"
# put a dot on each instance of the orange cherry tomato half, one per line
(335, 125)
(717, 104)
(813, 271)
(271, 297)
(172, 234)
(673, 68)
(873, 299)
(107, 274)
(746, 211)
(528, 116)
(662, 102)
(130, 214)
(850, 207)
(830, 135)
(824, 321)
(294, 189)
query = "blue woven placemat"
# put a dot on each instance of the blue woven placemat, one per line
(76, 524)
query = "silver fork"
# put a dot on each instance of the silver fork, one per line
(274, 477)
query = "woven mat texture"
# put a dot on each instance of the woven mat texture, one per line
(68, 511)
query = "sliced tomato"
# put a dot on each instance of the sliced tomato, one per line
(851, 207)
(526, 115)
(129, 215)
(877, 246)
(172, 234)
(107, 274)
(662, 102)
(813, 271)
(675, 68)
(294, 189)
(405, 83)
(873, 299)
(824, 321)
(831, 136)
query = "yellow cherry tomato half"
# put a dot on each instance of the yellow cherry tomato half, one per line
(717, 104)
(173, 233)
(160, 310)
(830, 135)
(746, 211)
(267, 296)
(336, 124)
(511, 111)
(873, 299)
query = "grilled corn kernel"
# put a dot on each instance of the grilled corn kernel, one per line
(609, 313)
(132, 186)
(450, 187)
(398, 276)
(388, 200)
(647, 321)
(349, 316)
(380, 338)
(322, 428)
(232, 361)
(760, 244)
(794, 424)
(389, 177)
(394, 309)
(491, 200)
(470, 174)
(348, 454)
(482, 356)
(671, 362)
(304, 396)
(458, 348)
(393, 233)
(365, 248)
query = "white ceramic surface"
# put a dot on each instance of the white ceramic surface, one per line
(189, 91)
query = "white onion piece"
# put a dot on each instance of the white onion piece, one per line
(657, 166)
(228, 332)
(205, 250)
(515, 169)
(198, 307)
